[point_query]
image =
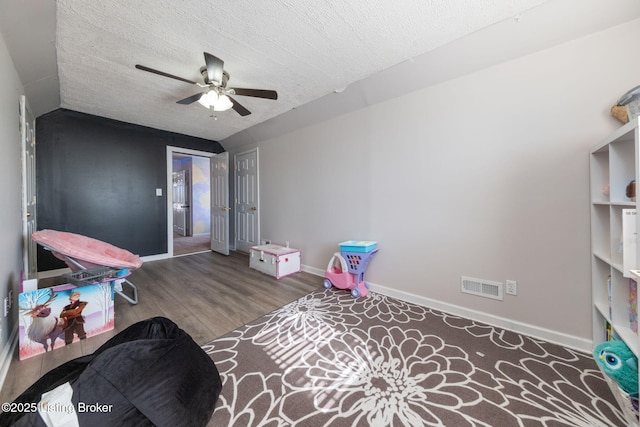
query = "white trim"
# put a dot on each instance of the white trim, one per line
(192, 253)
(156, 257)
(6, 356)
(313, 270)
(566, 340)
(576, 343)
(53, 273)
(170, 151)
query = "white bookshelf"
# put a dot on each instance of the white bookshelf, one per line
(613, 165)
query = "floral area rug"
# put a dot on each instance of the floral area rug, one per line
(330, 360)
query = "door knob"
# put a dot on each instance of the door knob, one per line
(254, 208)
(226, 208)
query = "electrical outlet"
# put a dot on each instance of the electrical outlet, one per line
(512, 287)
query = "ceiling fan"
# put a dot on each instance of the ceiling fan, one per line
(216, 94)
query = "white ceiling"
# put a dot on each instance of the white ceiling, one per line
(80, 54)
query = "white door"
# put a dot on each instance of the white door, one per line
(220, 203)
(28, 146)
(247, 213)
(181, 208)
(180, 152)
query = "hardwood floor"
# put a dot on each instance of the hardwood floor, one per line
(206, 294)
(190, 244)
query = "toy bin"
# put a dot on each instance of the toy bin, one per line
(41, 325)
(357, 262)
(275, 260)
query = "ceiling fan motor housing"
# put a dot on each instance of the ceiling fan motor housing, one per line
(205, 77)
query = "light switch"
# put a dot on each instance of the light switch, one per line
(159, 192)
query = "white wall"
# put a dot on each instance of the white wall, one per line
(10, 214)
(485, 175)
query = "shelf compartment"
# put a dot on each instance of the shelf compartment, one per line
(600, 231)
(600, 322)
(622, 169)
(620, 308)
(601, 274)
(599, 165)
(616, 235)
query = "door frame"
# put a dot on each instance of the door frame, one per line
(28, 182)
(171, 150)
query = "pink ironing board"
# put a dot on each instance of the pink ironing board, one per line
(84, 253)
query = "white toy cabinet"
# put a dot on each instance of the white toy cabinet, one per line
(614, 170)
(275, 260)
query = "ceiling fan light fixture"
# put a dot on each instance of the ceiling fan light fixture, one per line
(209, 99)
(223, 103)
(216, 95)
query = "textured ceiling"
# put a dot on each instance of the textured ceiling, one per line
(80, 55)
(303, 50)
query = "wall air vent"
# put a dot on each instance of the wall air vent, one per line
(482, 288)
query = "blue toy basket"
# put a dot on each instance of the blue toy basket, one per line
(357, 262)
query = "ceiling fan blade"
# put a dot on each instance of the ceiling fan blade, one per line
(258, 93)
(239, 108)
(162, 73)
(214, 68)
(190, 100)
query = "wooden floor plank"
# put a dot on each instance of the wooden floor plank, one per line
(206, 294)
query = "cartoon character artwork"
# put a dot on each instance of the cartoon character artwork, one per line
(44, 328)
(73, 321)
(67, 312)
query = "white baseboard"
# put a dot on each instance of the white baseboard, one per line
(570, 341)
(156, 257)
(313, 270)
(6, 355)
(53, 273)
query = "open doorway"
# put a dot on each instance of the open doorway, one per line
(189, 197)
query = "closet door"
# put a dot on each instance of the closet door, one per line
(220, 203)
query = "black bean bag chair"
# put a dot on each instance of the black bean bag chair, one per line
(152, 373)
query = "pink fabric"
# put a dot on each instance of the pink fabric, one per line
(87, 251)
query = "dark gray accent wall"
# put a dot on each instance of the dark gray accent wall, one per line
(98, 177)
